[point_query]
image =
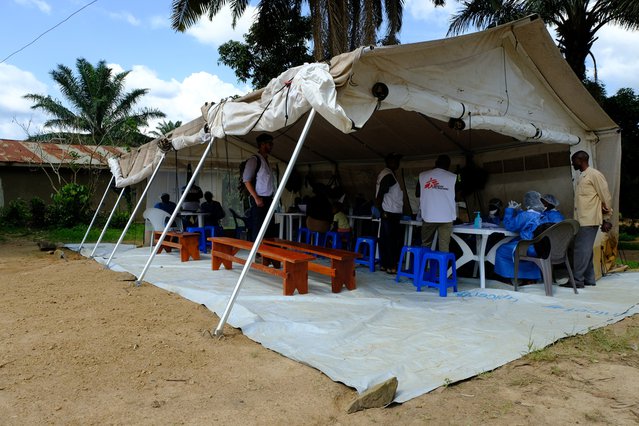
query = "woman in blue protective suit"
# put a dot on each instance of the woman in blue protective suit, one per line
(525, 222)
(551, 214)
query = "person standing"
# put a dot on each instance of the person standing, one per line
(260, 185)
(436, 192)
(593, 210)
(389, 204)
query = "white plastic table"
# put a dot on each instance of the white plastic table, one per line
(480, 256)
(287, 222)
(200, 217)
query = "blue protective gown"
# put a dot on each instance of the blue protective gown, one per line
(525, 223)
(552, 216)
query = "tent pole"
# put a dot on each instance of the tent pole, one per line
(106, 225)
(137, 206)
(175, 213)
(267, 220)
(95, 215)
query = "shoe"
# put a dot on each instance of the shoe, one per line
(563, 280)
(382, 268)
(569, 285)
(590, 284)
(392, 271)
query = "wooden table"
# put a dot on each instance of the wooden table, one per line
(294, 265)
(186, 242)
(342, 269)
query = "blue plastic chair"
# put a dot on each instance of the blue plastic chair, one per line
(334, 238)
(437, 276)
(366, 247)
(415, 254)
(304, 235)
(202, 243)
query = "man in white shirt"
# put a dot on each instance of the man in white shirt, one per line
(437, 203)
(259, 183)
(389, 200)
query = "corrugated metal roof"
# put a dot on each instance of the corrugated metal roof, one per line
(28, 153)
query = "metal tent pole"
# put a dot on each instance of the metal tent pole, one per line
(267, 220)
(175, 213)
(106, 225)
(95, 215)
(137, 206)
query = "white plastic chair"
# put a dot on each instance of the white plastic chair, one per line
(158, 219)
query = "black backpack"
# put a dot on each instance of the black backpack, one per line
(241, 188)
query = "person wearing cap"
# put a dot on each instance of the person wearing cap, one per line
(260, 185)
(166, 204)
(525, 222)
(214, 209)
(551, 214)
(389, 205)
(436, 192)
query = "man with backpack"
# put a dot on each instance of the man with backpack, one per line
(258, 180)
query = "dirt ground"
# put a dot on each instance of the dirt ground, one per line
(80, 346)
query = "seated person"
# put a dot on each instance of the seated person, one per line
(551, 214)
(525, 222)
(214, 210)
(341, 224)
(494, 212)
(166, 204)
(319, 211)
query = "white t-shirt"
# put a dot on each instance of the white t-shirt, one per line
(437, 196)
(264, 179)
(393, 201)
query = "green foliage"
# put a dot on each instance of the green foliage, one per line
(16, 213)
(119, 220)
(164, 128)
(269, 49)
(96, 104)
(70, 206)
(630, 230)
(38, 210)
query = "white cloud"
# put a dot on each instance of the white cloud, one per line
(126, 17)
(159, 22)
(16, 114)
(40, 4)
(424, 10)
(220, 29)
(617, 61)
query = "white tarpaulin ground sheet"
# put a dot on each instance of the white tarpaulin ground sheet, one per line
(385, 329)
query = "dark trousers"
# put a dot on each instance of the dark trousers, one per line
(584, 270)
(258, 215)
(391, 240)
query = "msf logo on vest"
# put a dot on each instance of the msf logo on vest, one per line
(433, 183)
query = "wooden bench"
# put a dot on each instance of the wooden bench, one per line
(341, 270)
(186, 242)
(294, 265)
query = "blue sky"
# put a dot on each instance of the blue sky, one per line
(180, 69)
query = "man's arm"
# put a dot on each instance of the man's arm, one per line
(249, 173)
(601, 187)
(384, 187)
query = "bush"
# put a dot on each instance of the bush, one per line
(16, 213)
(629, 229)
(70, 206)
(38, 209)
(119, 220)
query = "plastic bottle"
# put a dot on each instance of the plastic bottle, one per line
(477, 223)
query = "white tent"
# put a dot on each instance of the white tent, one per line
(520, 105)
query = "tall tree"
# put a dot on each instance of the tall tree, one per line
(98, 104)
(165, 127)
(576, 21)
(270, 49)
(337, 25)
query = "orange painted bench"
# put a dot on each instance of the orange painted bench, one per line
(291, 266)
(341, 270)
(186, 242)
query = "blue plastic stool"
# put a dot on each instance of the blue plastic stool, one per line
(212, 231)
(318, 238)
(437, 277)
(334, 238)
(202, 244)
(366, 246)
(304, 235)
(416, 253)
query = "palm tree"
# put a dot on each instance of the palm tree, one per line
(338, 25)
(165, 127)
(98, 103)
(576, 21)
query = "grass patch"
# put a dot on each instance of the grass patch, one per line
(135, 234)
(542, 355)
(629, 245)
